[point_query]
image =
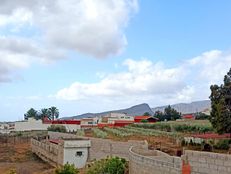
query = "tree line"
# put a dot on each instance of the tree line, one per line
(51, 113)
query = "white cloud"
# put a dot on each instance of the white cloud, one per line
(154, 83)
(92, 27)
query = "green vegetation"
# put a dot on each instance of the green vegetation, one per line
(113, 165)
(146, 114)
(80, 132)
(201, 116)
(57, 128)
(99, 133)
(168, 114)
(31, 113)
(181, 126)
(51, 113)
(67, 169)
(223, 144)
(118, 132)
(220, 97)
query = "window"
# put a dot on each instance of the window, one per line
(79, 154)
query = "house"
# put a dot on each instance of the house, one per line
(149, 119)
(61, 151)
(89, 122)
(188, 117)
(111, 118)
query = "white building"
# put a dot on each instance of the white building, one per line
(112, 117)
(62, 151)
(30, 124)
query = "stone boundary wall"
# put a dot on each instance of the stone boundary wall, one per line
(155, 163)
(207, 162)
(101, 148)
(48, 152)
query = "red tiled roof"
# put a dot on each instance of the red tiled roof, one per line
(55, 141)
(142, 117)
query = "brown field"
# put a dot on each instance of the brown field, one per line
(18, 157)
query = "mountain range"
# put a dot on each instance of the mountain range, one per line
(184, 108)
(133, 111)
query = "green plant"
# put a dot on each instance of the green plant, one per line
(99, 133)
(67, 169)
(80, 132)
(113, 165)
(57, 128)
(222, 144)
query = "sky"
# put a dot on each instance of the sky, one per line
(98, 55)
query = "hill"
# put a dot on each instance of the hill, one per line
(133, 111)
(184, 108)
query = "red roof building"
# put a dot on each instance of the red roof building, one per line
(138, 119)
(188, 116)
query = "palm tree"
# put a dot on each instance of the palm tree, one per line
(45, 113)
(54, 112)
(31, 113)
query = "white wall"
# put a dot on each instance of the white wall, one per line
(30, 124)
(70, 152)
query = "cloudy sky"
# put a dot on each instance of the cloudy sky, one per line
(97, 55)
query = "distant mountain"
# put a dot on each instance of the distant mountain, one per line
(185, 108)
(132, 111)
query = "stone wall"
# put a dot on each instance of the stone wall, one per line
(101, 148)
(207, 162)
(48, 152)
(144, 161)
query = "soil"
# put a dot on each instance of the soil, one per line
(18, 157)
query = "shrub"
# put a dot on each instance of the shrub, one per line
(57, 128)
(80, 132)
(67, 169)
(113, 165)
(99, 133)
(222, 144)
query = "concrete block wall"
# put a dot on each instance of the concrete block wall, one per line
(158, 163)
(101, 148)
(207, 162)
(46, 151)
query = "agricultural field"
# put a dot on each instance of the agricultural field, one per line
(167, 136)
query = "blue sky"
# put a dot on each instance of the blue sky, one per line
(91, 56)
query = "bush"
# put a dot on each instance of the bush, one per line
(67, 169)
(114, 165)
(57, 128)
(99, 133)
(222, 144)
(80, 132)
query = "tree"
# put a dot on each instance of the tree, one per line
(220, 115)
(169, 114)
(159, 115)
(45, 113)
(54, 112)
(146, 114)
(31, 113)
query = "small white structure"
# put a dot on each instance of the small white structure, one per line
(62, 151)
(76, 152)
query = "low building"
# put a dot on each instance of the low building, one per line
(61, 151)
(89, 122)
(188, 117)
(30, 125)
(149, 119)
